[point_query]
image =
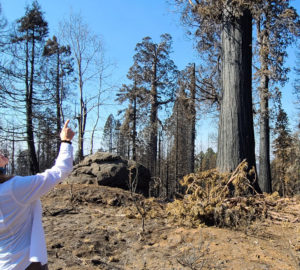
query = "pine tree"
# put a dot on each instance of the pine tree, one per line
(276, 24)
(29, 38)
(60, 68)
(108, 133)
(190, 111)
(282, 143)
(179, 127)
(121, 140)
(23, 167)
(158, 75)
(181, 130)
(46, 139)
(209, 159)
(134, 94)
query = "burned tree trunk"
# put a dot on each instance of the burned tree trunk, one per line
(236, 134)
(264, 145)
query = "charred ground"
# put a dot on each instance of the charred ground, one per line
(97, 227)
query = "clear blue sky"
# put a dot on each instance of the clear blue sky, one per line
(123, 24)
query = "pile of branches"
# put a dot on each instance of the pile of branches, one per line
(222, 199)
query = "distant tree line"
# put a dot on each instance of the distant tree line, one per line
(239, 78)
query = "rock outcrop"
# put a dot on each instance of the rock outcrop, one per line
(108, 169)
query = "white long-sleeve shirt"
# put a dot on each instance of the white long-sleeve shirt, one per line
(22, 239)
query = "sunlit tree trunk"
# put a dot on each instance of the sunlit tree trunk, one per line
(236, 134)
(264, 133)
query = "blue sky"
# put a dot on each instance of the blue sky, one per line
(122, 24)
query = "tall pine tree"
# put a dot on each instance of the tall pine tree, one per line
(32, 30)
(276, 23)
(60, 67)
(134, 95)
(158, 75)
(108, 133)
(282, 143)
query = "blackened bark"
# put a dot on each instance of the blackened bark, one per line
(236, 134)
(58, 102)
(33, 162)
(167, 179)
(153, 138)
(81, 116)
(264, 142)
(134, 133)
(193, 119)
(265, 181)
(153, 123)
(13, 153)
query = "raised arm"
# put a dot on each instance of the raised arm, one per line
(29, 188)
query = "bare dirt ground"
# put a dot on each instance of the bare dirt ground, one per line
(94, 227)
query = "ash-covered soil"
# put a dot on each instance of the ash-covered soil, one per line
(97, 227)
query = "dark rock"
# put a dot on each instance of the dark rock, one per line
(59, 245)
(96, 261)
(108, 169)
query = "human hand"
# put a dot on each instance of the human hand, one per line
(3, 160)
(66, 134)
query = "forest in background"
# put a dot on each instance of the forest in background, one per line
(243, 46)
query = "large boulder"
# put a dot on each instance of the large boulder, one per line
(107, 169)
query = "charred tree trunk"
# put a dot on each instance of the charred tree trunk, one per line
(12, 157)
(33, 161)
(167, 179)
(264, 133)
(264, 142)
(176, 147)
(159, 172)
(58, 104)
(81, 117)
(193, 119)
(134, 133)
(236, 134)
(153, 123)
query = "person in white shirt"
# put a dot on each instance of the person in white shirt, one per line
(22, 240)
